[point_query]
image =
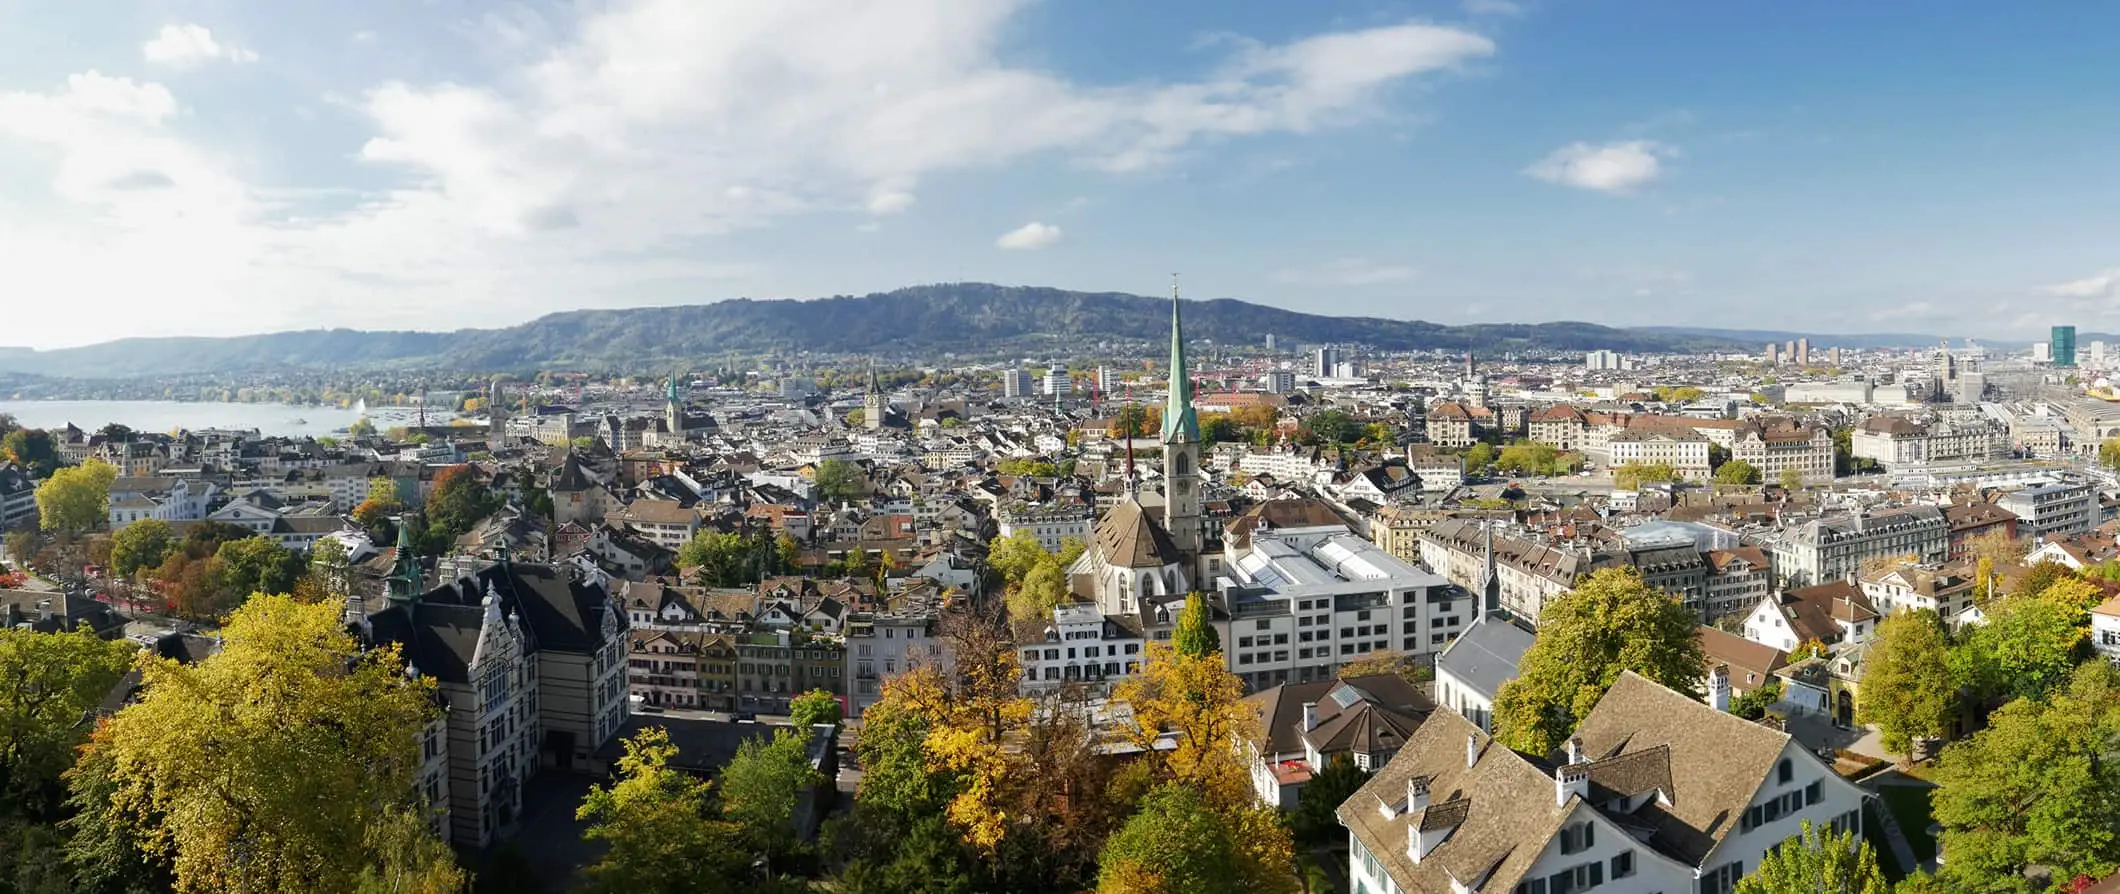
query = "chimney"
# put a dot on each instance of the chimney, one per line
(1719, 688)
(1416, 794)
(1573, 779)
(1575, 750)
(1472, 750)
(1310, 716)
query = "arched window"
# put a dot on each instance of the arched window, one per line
(1183, 464)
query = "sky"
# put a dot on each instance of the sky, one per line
(185, 167)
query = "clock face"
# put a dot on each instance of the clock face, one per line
(1184, 488)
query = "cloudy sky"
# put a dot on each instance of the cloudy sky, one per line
(228, 166)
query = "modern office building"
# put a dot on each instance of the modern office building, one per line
(2062, 346)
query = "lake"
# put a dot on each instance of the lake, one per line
(164, 415)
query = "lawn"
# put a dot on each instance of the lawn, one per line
(1909, 805)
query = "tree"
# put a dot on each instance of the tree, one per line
(1753, 705)
(1479, 457)
(1333, 427)
(814, 707)
(360, 428)
(21, 545)
(1737, 472)
(1632, 475)
(2027, 648)
(1611, 622)
(655, 821)
(1195, 634)
(1040, 591)
(1791, 480)
(142, 544)
(1015, 555)
(1817, 861)
(1907, 687)
(457, 503)
(764, 785)
(2035, 787)
(1315, 819)
(1194, 701)
(377, 513)
(789, 552)
(273, 765)
(48, 682)
(32, 449)
(1176, 844)
(716, 557)
(840, 481)
(1680, 394)
(2109, 453)
(76, 500)
(257, 565)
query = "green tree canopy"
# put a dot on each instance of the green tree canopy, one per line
(1737, 472)
(1175, 844)
(76, 499)
(142, 544)
(48, 682)
(841, 481)
(257, 565)
(1315, 819)
(2027, 648)
(1817, 861)
(2036, 786)
(1632, 475)
(32, 449)
(814, 707)
(274, 765)
(1612, 621)
(656, 822)
(1479, 457)
(1195, 635)
(764, 785)
(456, 504)
(1907, 691)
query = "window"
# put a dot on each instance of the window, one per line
(1260, 624)
(1623, 865)
(1811, 794)
(1785, 772)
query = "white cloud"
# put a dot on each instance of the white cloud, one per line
(888, 200)
(2100, 285)
(607, 153)
(1352, 272)
(183, 46)
(1030, 235)
(1498, 8)
(1614, 168)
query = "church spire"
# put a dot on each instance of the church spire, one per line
(1180, 422)
(405, 582)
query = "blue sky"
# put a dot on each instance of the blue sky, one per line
(228, 166)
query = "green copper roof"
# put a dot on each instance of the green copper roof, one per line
(405, 574)
(1180, 422)
(671, 394)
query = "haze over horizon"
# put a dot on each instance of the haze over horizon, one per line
(231, 168)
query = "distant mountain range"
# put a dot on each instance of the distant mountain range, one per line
(964, 318)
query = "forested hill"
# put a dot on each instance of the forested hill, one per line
(965, 318)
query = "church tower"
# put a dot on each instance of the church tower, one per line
(674, 410)
(1181, 447)
(872, 402)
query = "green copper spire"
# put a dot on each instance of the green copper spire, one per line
(670, 394)
(1180, 423)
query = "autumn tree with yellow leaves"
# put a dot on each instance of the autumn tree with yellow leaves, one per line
(283, 763)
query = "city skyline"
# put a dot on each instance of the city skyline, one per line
(232, 169)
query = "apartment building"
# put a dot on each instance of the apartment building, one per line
(1774, 449)
(1684, 451)
(1835, 547)
(1902, 443)
(1656, 793)
(1052, 524)
(2053, 510)
(882, 644)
